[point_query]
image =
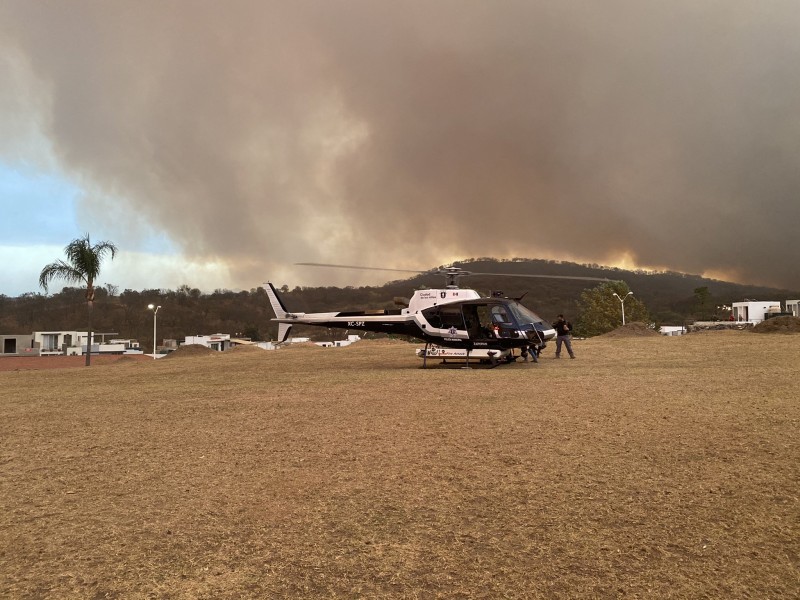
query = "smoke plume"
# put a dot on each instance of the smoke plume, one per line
(264, 133)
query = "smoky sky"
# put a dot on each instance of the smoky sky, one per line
(405, 134)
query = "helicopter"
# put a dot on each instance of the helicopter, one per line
(453, 322)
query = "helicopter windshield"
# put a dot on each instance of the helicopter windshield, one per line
(523, 315)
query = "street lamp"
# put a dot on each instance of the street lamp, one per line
(154, 308)
(622, 302)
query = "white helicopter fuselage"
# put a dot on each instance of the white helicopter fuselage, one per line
(451, 317)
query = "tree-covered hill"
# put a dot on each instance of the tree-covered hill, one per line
(671, 298)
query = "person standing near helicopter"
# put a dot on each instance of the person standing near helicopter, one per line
(563, 336)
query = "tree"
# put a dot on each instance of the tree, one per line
(81, 267)
(701, 298)
(601, 311)
(252, 332)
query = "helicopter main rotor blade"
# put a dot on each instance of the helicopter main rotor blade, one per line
(578, 277)
(452, 271)
(308, 264)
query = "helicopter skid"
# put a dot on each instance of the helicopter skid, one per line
(494, 357)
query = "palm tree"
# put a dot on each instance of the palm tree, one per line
(82, 267)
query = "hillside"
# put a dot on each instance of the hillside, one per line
(669, 297)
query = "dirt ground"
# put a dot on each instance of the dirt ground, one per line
(784, 324)
(39, 363)
(649, 467)
(636, 328)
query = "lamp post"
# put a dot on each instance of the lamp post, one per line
(622, 303)
(154, 308)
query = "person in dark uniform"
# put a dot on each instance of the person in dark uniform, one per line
(563, 336)
(531, 350)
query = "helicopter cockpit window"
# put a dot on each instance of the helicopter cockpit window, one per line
(500, 316)
(444, 317)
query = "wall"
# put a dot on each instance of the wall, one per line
(18, 345)
(752, 312)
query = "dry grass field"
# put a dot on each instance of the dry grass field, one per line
(650, 467)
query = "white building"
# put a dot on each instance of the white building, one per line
(73, 343)
(118, 347)
(339, 343)
(793, 306)
(752, 311)
(219, 341)
(53, 343)
(672, 330)
(251, 344)
(223, 341)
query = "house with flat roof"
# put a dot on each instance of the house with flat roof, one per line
(119, 346)
(53, 343)
(18, 345)
(339, 343)
(754, 311)
(73, 343)
(219, 341)
(672, 330)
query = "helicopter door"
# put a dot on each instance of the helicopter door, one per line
(447, 318)
(486, 327)
(473, 321)
(502, 320)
